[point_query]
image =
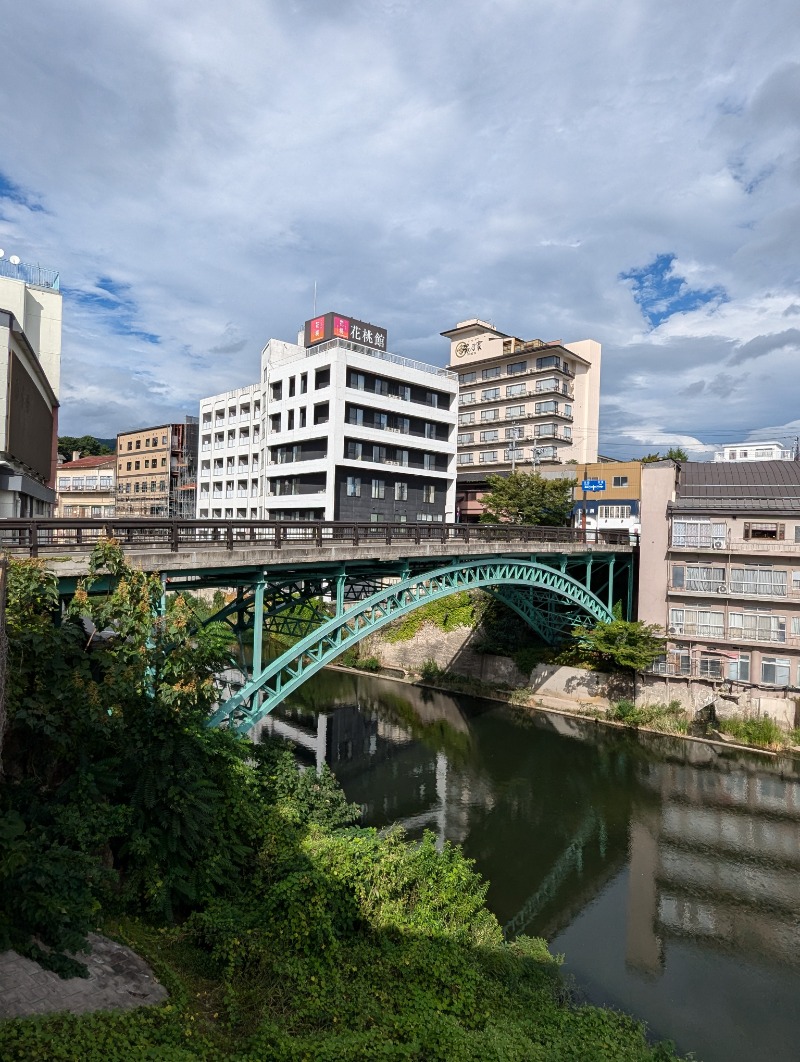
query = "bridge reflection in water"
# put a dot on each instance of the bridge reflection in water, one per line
(667, 871)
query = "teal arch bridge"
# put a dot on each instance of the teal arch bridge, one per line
(331, 585)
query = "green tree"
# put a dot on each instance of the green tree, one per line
(528, 498)
(627, 645)
(87, 445)
(676, 453)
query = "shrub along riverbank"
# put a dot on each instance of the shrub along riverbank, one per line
(282, 929)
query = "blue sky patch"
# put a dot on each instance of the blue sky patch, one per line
(13, 192)
(112, 301)
(660, 293)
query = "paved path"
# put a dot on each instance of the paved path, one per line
(118, 980)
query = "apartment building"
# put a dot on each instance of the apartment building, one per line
(348, 431)
(86, 487)
(755, 451)
(230, 480)
(30, 371)
(720, 569)
(157, 470)
(522, 404)
(608, 496)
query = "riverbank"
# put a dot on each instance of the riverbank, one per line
(564, 707)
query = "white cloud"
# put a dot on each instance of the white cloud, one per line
(421, 163)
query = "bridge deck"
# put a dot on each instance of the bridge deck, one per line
(192, 546)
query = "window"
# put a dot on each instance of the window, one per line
(708, 578)
(514, 390)
(702, 622)
(549, 362)
(127, 466)
(795, 580)
(490, 436)
(378, 488)
(491, 374)
(467, 437)
(739, 669)
(490, 394)
(430, 430)
(467, 398)
(465, 459)
(146, 463)
(616, 512)
(775, 670)
(514, 411)
(709, 666)
(490, 414)
(757, 626)
(541, 430)
(546, 407)
(380, 420)
(379, 454)
(401, 491)
(376, 518)
(138, 444)
(147, 442)
(163, 462)
(303, 383)
(431, 399)
(764, 452)
(357, 380)
(759, 581)
(291, 386)
(353, 450)
(517, 367)
(619, 481)
(466, 418)
(763, 530)
(488, 455)
(355, 416)
(130, 444)
(353, 487)
(429, 493)
(136, 465)
(322, 377)
(698, 534)
(467, 377)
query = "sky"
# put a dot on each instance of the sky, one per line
(625, 172)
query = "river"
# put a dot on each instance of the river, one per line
(667, 872)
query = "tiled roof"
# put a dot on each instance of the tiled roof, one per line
(739, 485)
(106, 461)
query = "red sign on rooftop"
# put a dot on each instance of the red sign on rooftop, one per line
(335, 326)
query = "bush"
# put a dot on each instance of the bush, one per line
(430, 671)
(754, 730)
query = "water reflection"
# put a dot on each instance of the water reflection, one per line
(666, 871)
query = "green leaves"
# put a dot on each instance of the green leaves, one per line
(621, 644)
(528, 498)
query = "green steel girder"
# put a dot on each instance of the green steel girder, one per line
(265, 690)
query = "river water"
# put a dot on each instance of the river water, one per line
(666, 872)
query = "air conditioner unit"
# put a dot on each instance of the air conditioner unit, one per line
(675, 630)
(719, 543)
(722, 588)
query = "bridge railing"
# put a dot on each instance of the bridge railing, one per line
(58, 535)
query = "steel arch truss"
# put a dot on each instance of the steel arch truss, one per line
(531, 587)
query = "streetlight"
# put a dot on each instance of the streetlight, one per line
(514, 434)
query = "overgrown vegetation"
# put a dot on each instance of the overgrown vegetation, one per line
(458, 610)
(758, 730)
(669, 718)
(283, 930)
(626, 645)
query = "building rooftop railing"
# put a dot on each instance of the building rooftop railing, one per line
(384, 355)
(35, 275)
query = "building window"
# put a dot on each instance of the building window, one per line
(378, 488)
(739, 669)
(514, 390)
(136, 465)
(127, 466)
(353, 450)
(764, 582)
(376, 518)
(617, 512)
(490, 436)
(467, 377)
(465, 459)
(775, 670)
(517, 367)
(138, 444)
(514, 411)
(764, 530)
(130, 444)
(401, 491)
(698, 534)
(429, 493)
(466, 418)
(757, 626)
(488, 456)
(467, 398)
(469, 437)
(619, 481)
(709, 666)
(353, 487)
(702, 622)
(549, 362)
(147, 442)
(490, 414)
(490, 394)
(491, 374)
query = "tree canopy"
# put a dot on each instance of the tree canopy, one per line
(87, 445)
(675, 453)
(628, 645)
(528, 498)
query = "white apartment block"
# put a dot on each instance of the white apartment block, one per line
(229, 470)
(754, 451)
(346, 431)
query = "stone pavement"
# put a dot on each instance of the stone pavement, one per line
(118, 980)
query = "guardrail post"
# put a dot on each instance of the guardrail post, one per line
(174, 537)
(318, 535)
(278, 536)
(34, 539)
(355, 534)
(229, 537)
(417, 538)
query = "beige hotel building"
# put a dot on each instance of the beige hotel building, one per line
(522, 405)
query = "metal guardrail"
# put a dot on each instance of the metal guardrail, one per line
(35, 538)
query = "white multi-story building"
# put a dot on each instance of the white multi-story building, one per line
(349, 431)
(30, 370)
(755, 451)
(229, 480)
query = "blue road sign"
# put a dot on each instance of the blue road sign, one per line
(593, 484)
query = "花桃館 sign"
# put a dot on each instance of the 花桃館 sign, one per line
(334, 325)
